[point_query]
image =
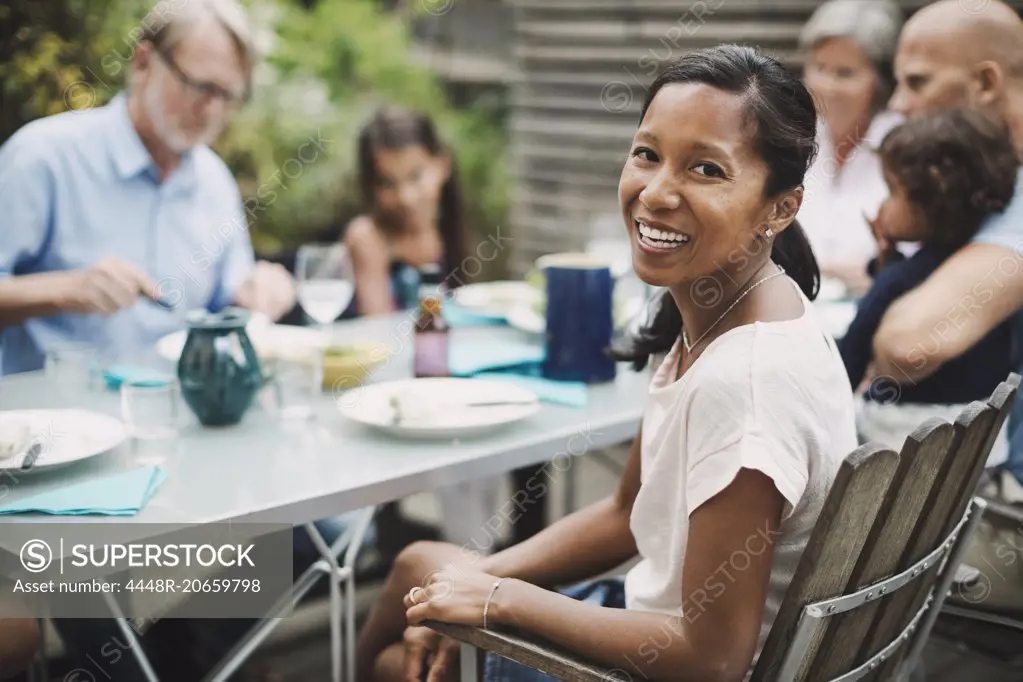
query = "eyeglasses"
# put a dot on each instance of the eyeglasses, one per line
(201, 88)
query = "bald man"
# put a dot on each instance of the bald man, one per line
(950, 57)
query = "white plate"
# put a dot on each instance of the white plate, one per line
(267, 338)
(496, 298)
(66, 436)
(526, 319)
(437, 407)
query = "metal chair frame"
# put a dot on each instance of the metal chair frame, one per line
(342, 601)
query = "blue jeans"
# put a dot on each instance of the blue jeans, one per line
(609, 592)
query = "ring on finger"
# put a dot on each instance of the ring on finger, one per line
(413, 592)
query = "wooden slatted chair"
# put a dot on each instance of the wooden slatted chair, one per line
(971, 620)
(874, 574)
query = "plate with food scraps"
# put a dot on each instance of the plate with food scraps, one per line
(440, 407)
(61, 437)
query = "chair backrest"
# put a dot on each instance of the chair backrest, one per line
(872, 563)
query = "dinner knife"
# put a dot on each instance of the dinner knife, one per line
(397, 416)
(31, 456)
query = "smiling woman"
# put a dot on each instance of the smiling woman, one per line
(748, 416)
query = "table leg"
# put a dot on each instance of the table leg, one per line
(259, 632)
(351, 556)
(352, 538)
(129, 634)
(335, 600)
(343, 577)
(534, 517)
(568, 504)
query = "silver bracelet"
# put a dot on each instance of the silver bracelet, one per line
(486, 606)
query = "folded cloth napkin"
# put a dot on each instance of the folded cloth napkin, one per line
(516, 362)
(460, 316)
(122, 493)
(472, 357)
(136, 376)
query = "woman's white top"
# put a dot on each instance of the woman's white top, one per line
(769, 396)
(835, 199)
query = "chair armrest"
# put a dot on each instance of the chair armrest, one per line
(530, 652)
(1004, 513)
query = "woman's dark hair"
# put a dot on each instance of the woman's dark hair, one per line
(958, 166)
(783, 119)
(396, 128)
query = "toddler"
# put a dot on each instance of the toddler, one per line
(945, 173)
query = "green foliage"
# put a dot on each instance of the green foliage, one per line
(60, 55)
(326, 71)
(292, 148)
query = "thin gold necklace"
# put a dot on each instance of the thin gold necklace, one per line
(685, 338)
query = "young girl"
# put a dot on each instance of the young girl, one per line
(748, 418)
(413, 212)
(413, 219)
(946, 173)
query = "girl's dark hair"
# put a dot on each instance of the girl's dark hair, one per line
(958, 166)
(782, 116)
(396, 128)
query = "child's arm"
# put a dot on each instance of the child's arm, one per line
(856, 346)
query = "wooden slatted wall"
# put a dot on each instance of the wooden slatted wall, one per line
(582, 68)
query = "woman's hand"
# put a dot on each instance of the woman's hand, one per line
(452, 595)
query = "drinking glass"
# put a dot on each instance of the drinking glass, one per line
(73, 367)
(151, 411)
(326, 281)
(298, 381)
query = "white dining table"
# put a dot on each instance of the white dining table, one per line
(270, 470)
(267, 470)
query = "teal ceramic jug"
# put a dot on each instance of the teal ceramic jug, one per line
(218, 369)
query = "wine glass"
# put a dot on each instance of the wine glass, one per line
(326, 281)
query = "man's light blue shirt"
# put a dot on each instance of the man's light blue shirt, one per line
(1005, 229)
(79, 187)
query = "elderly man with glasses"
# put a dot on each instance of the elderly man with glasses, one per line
(109, 210)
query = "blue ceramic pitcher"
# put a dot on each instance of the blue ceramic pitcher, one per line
(219, 370)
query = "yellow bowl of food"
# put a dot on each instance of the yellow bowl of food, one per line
(346, 366)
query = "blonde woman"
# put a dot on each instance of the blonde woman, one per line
(849, 46)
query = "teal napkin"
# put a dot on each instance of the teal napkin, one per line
(136, 376)
(469, 358)
(122, 493)
(460, 316)
(517, 362)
